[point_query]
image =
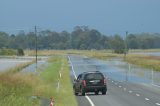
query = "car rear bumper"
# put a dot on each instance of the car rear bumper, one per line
(95, 88)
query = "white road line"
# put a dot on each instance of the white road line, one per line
(112, 81)
(72, 68)
(137, 94)
(155, 85)
(146, 99)
(90, 101)
(124, 89)
(158, 104)
(120, 86)
(130, 91)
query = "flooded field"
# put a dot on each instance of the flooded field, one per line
(9, 63)
(40, 66)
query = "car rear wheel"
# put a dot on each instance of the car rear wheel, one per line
(76, 93)
(104, 92)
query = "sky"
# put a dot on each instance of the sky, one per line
(108, 16)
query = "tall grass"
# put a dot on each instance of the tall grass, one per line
(151, 62)
(16, 89)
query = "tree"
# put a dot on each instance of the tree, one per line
(117, 44)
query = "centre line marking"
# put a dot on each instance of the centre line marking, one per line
(137, 94)
(130, 91)
(90, 101)
(158, 104)
(146, 99)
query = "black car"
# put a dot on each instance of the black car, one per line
(92, 81)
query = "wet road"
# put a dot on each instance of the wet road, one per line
(125, 88)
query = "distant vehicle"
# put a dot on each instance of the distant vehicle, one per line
(92, 81)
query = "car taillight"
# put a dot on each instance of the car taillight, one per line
(84, 83)
(104, 81)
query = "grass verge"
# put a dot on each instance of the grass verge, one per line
(64, 94)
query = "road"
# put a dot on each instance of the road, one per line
(120, 93)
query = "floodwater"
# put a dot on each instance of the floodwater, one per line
(10, 63)
(40, 66)
(117, 69)
(123, 71)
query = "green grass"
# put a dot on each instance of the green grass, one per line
(64, 96)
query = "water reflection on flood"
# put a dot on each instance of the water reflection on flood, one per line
(40, 66)
(123, 71)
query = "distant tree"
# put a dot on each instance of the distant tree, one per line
(82, 37)
(132, 42)
(117, 44)
(4, 37)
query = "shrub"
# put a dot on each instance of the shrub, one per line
(20, 52)
(7, 52)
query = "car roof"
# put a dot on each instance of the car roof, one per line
(91, 72)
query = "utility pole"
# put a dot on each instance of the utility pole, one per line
(126, 48)
(36, 45)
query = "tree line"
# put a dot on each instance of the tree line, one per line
(81, 38)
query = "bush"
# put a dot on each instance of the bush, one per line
(20, 52)
(7, 52)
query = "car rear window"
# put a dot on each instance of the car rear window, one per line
(93, 76)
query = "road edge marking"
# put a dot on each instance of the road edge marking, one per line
(90, 101)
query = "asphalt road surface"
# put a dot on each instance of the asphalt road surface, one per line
(119, 93)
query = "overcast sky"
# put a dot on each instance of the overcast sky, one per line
(108, 16)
